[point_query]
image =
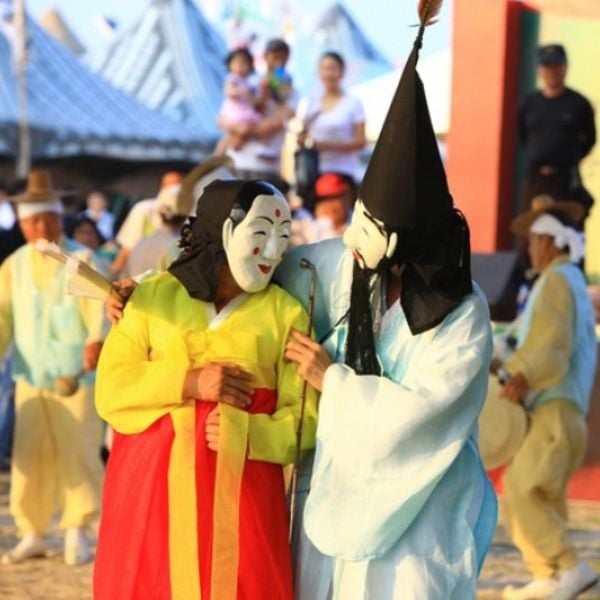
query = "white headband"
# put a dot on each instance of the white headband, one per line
(30, 209)
(563, 236)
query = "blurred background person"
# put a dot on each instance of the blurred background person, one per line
(84, 231)
(334, 122)
(552, 374)
(57, 437)
(11, 236)
(333, 201)
(97, 210)
(557, 130)
(241, 107)
(159, 250)
(142, 221)
(259, 157)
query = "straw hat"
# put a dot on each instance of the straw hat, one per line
(502, 427)
(187, 198)
(542, 204)
(39, 188)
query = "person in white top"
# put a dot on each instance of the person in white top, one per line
(142, 221)
(334, 122)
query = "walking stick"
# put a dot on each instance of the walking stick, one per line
(305, 264)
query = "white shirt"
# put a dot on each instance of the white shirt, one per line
(143, 220)
(336, 125)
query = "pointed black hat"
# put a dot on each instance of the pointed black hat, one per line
(405, 187)
(405, 184)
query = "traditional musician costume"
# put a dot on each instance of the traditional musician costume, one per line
(56, 450)
(556, 354)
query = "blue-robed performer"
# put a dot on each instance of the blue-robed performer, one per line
(399, 504)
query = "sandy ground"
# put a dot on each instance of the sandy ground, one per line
(50, 579)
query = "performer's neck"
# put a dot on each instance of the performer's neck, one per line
(227, 289)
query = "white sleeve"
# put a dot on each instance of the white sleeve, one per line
(357, 111)
(383, 445)
(132, 229)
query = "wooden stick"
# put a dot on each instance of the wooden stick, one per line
(305, 264)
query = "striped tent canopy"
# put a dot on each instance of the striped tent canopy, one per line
(172, 60)
(73, 112)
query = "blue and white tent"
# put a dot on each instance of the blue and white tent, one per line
(73, 112)
(171, 60)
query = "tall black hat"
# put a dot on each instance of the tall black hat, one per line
(405, 187)
(405, 184)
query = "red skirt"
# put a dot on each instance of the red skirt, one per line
(132, 559)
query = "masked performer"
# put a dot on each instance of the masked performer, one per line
(399, 504)
(194, 381)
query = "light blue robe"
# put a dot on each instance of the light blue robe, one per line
(399, 504)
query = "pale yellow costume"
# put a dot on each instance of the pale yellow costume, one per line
(556, 354)
(56, 460)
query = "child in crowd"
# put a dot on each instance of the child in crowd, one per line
(277, 82)
(241, 107)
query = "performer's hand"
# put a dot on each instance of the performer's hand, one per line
(219, 382)
(516, 388)
(114, 307)
(311, 358)
(91, 353)
(211, 429)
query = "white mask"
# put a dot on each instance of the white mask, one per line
(367, 239)
(256, 245)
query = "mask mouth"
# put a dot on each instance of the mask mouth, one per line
(266, 269)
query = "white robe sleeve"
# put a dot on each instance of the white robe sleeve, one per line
(383, 445)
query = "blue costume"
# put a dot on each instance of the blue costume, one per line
(399, 504)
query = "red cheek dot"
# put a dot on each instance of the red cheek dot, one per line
(255, 251)
(277, 212)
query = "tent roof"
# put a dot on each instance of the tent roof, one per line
(53, 22)
(435, 72)
(74, 112)
(171, 60)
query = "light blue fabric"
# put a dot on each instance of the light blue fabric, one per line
(49, 331)
(398, 498)
(576, 385)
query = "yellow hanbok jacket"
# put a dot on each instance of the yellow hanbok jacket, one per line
(178, 517)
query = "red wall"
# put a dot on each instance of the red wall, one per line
(482, 137)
